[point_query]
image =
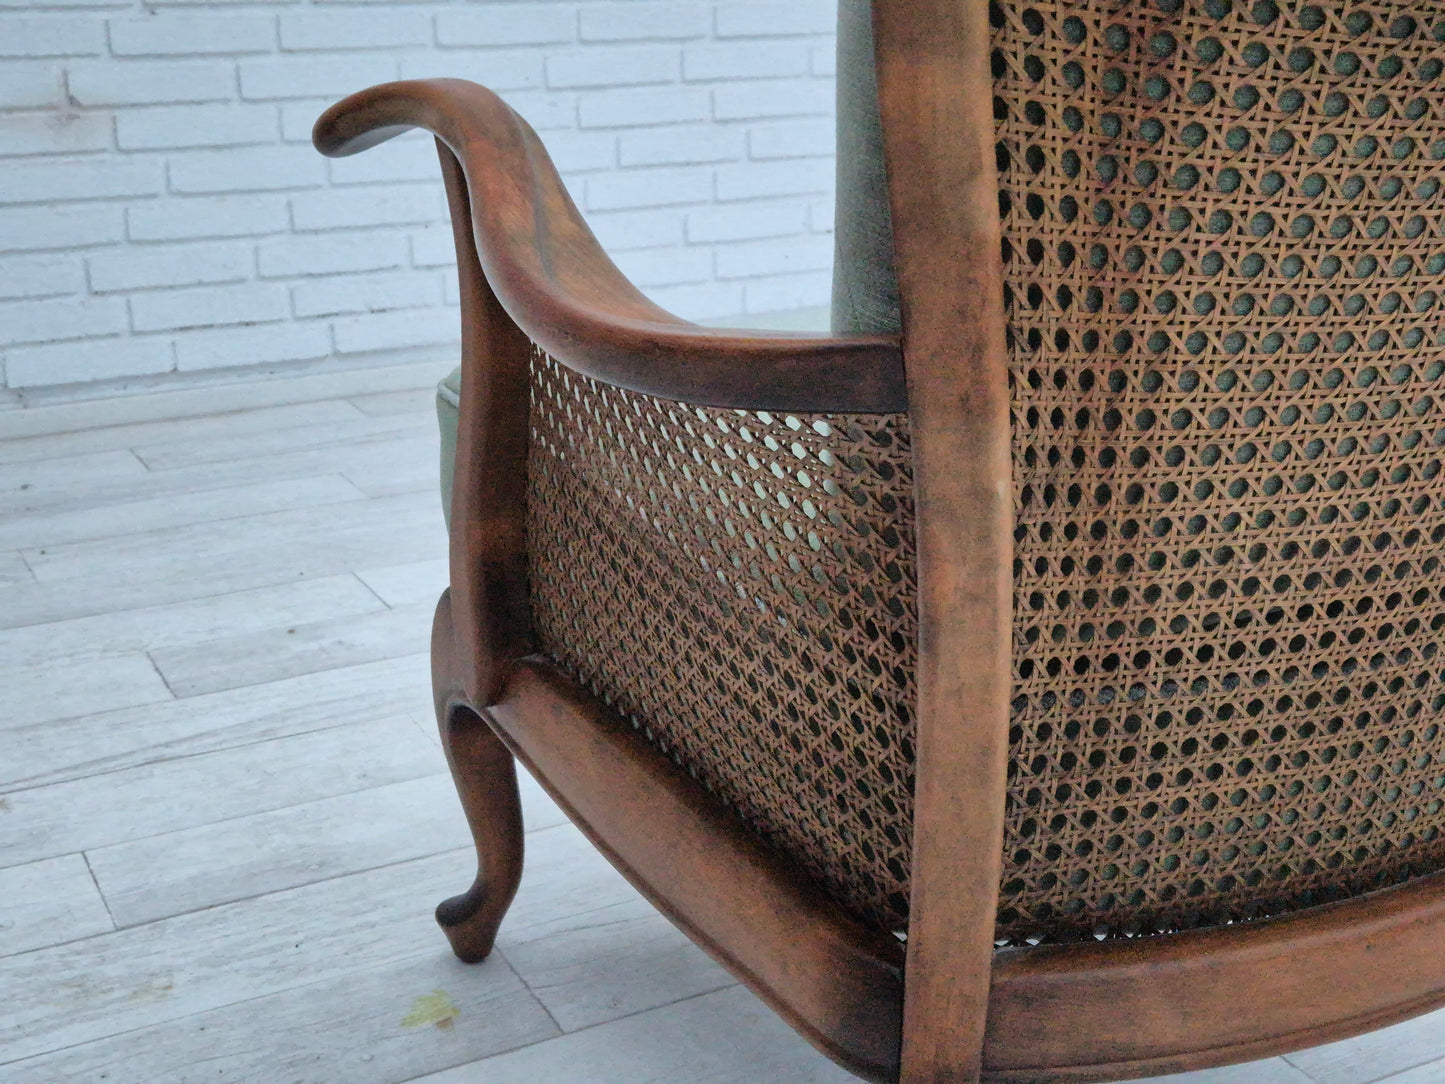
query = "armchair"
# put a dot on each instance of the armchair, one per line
(1040, 680)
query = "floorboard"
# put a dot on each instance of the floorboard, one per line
(48, 902)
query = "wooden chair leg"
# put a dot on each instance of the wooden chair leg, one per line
(486, 779)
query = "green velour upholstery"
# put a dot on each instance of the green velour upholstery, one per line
(449, 397)
(865, 292)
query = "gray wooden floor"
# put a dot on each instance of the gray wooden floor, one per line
(224, 814)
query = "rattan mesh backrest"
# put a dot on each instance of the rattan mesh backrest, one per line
(1224, 248)
(1222, 257)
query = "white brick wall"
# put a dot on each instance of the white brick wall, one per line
(161, 209)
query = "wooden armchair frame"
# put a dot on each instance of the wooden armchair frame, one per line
(957, 1009)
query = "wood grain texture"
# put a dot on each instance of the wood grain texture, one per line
(728, 1037)
(486, 780)
(36, 482)
(284, 651)
(49, 689)
(151, 799)
(347, 1027)
(588, 946)
(412, 584)
(191, 622)
(740, 902)
(406, 452)
(934, 88)
(49, 902)
(195, 868)
(50, 752)
(178, 967)
(487, 609)
(1217, 995)
(219, 423)
(204, 560)
(1375, 1055)
(14, 571)
(558, 285)
(174, 510)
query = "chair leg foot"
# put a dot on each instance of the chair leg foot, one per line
(485, 774)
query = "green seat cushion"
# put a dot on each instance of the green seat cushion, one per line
(449, 397)
(865, 292)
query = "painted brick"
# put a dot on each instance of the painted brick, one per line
(149, 82)
(784, 255)
(820, 215)
(544, 111)
(298, 118)
(191, 144)
(736, 20)
(406, 159)
(666, 266)
(649, 188)
(330, 30)
(393, 331)
(74, 363)
(326, 254)
(498, 69)
(180, 34)
(745, 60)
(60, 318)
(40, 276)
(792, 139)
(390, 205)
(612, 67)
(233, 348)
(29, 228)
(574, 151)
(50, 35)
(644, 106)
(642, 22)
(45, 180)
(206, 306)
(434, 247)
(678, 146)
(305, 77)
(619, 231)
(31, 86)
(781, 98)
(708, 301)
(207, 216)
(204, 172)
(726, 224)
(54, 133)
(507, 24)
(367, 293)
(754, 179)
(780, 292)
(169, 265)
(173, 126)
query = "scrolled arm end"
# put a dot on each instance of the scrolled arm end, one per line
(562, 290)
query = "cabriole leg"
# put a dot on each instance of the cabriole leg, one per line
(486, 779)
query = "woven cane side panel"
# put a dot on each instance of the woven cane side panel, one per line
(740, 586)
(1224, 258)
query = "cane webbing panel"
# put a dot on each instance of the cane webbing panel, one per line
(1223, 254)
(740, 585)
(1223, 250)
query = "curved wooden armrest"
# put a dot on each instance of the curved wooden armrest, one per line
(560, 288)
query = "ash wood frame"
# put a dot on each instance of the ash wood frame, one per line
(959, 1011)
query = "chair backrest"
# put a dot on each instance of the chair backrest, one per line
(1222, 258)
